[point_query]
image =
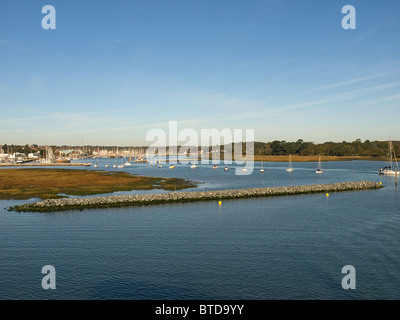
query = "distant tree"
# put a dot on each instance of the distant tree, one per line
(276, 147)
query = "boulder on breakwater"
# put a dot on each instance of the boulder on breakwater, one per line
(188, 196)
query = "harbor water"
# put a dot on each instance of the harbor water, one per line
(257, 249)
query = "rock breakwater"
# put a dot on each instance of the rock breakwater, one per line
(188, 196)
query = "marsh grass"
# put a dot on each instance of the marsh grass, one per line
(56, 183)
(297, 158)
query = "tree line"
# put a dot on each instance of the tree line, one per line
(302, 148)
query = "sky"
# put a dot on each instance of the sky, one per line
(113, 70)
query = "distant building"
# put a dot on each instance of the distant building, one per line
(18, 156)
(34, 155)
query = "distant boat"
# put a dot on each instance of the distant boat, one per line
(106, 165)
(121, 165)
(262, 169)
(245, 169)
(388, 170)
(226, 168)
(127, 163)
(193, 166)
(172, 167)
(319, 170)
(215, 166)
(290, 169)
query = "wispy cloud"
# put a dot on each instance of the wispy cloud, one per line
(109, 44)
(5, 87)
(352, 81)
(378, 102)
(348, 95)
(81, 117)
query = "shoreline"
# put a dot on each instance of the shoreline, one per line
(57, 164)
(297, 158)
(66, 204)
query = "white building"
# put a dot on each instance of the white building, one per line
(34, 155)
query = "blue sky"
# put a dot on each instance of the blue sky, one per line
(112, 70)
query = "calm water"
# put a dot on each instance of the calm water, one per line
(272, 248)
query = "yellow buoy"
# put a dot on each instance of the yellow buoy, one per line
(220, 202)
(327, 194)
(380, 182)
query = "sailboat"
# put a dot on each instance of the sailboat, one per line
(319, 170)
(262, 169)
(388, 170)
(97, 159)
(290, 169)
(115, 159)
(120, 165)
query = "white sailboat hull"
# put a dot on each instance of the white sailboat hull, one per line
(290, 169)
(390, 172)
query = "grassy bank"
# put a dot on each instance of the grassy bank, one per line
(297, 158)
(50, 183)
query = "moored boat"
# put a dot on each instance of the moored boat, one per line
(290, 169)
(389, 170)
(319, 170)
